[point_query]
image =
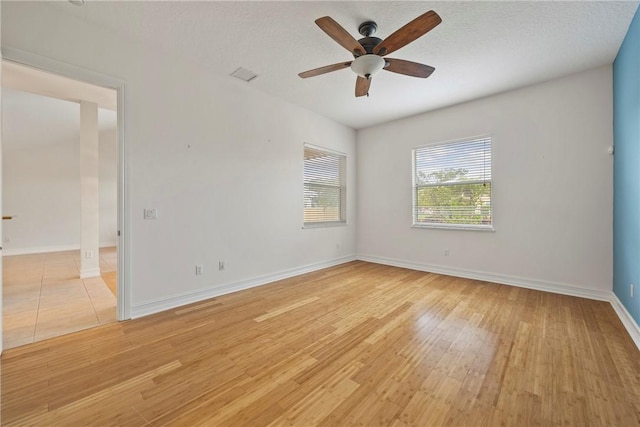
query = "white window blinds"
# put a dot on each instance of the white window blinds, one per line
(452, 184)
(324, 186)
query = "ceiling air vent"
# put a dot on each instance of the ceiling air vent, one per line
(244, 74)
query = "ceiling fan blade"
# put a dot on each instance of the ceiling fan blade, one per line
(411, 31)
(408, 68)
(362, 86)
(340, 35)
(325, 69)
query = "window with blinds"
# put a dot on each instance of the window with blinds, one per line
(324, 186)
(452, 185)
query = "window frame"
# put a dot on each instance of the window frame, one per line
(342, 221)
(414, 188)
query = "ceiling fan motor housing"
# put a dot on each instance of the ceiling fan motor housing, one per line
(367, 29)
(368, 43)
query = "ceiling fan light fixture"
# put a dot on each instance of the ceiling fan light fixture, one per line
(367, 65)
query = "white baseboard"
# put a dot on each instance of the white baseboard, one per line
(39, 250)
(90, 272)
(156, 306)
(48, 249)
(539, 285)
(625, 317)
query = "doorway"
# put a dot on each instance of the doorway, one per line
(53, 283)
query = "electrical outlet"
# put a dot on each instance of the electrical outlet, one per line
(631, 290)
(220, 265)
(446, 252)
(150, 213)
(88, 254)
(198, 270)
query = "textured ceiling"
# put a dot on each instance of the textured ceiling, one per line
(480, 48)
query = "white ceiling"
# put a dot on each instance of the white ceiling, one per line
(30, 120)
(40, 108)
(479, 49)
(20, 77)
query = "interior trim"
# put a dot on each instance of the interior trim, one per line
(539, 285)
(625, 317)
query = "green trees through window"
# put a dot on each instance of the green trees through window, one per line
(452, 184)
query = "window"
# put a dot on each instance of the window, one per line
(452, 185)
(324, 186)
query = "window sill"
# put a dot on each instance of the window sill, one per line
(324, 224)
(456, 227)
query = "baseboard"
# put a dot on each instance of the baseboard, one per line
(539, 285)
(48, 249)
(90, 272)
(156, 306)
(625, 317)
(39, 250)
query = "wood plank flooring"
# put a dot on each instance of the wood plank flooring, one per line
(357, 344)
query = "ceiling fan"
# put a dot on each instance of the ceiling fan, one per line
(369, 51)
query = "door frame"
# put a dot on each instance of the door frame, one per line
(95, 78)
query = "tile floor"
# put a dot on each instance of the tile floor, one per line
(44, 297)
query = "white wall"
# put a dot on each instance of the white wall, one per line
(108, 187)
(220, 161)
(552, 187)
(1, 303)
(42, 189)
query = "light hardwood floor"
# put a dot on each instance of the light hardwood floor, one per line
(357, 344)
(44, 297)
